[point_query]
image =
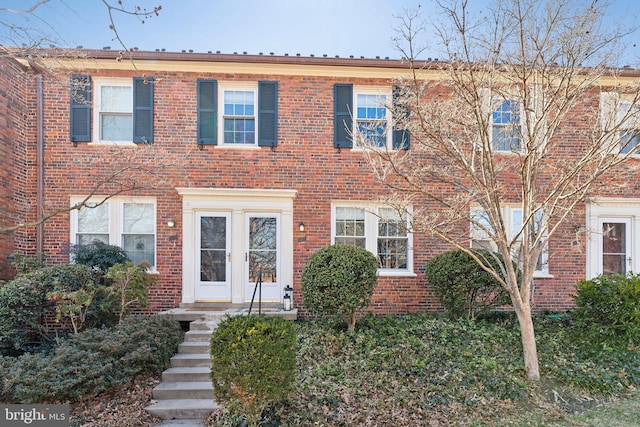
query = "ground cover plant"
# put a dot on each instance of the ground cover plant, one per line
(425, 370)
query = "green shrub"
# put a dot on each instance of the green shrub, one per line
(24, 301)
(91, 361)
(609, 307)
(253, 363)
(339, 280)
(462, 286)
(99, 256)
(128, 284)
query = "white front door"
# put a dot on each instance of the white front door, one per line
(262, 256)
(615, 246)
(213, 256)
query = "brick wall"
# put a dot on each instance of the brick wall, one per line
(304, 160)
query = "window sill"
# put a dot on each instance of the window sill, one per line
(118, 143)
(238, 146)
(542, 275)
(396, 273)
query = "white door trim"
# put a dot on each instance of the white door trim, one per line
(238, 202)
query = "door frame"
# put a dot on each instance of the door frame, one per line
(270, 292)
(605, 209)
(238, 202)
(628, 241)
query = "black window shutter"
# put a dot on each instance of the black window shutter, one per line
(80, 112)
(143, 110)
(342, 120)
(401, 136)
(207, 101)
(267, 114)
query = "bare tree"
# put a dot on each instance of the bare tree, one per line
(519, 115)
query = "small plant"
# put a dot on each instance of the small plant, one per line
(25, 264)
(462, 286)
(339, 280)
(74, 306)
(609, 307)
(253, 363)
(129, 285)
(99, 256)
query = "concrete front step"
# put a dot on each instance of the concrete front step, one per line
(183, 390)
(191, 359)
(187, 373)
(182, 408)
(204, 335)
(191, 347)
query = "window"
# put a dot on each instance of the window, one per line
(111, 110)
(125, 222)
(629, 133)
(237, 107)
(506, 126)
(481, 232)
(362, 112)
(114, 111)
(380, 230)
(371, 117)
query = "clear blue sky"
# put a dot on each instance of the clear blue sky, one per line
(332, 27)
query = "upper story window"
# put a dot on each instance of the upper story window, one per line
(125, 222)
(372, 120)
(506, 128)
(237, 114)
(380, 230)
(362, 113)
(111, 110)
(627, 116)
(481, 232)
(113, 113)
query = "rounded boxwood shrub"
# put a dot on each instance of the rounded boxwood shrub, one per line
(99, 255)
(339, 280)
(464, 289)
(253, 363)
(609, 307)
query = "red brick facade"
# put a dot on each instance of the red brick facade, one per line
(304, 160)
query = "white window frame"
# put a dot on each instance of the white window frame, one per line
(496, 103)
(116, 219)
(98, 82)
(230, 87)
(376, 91)
(613, 109)
(508, 213)
(371, 220)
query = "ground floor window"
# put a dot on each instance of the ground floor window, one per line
(382, 230)
(126, 222)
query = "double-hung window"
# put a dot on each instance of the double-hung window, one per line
(238, 106)
(506, 127)
(481, 234)
(627, 116)
(114, 111)
(126, 222)
(381, 230)
(371, 117)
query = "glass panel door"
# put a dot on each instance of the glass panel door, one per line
(263, 253)
(615, 246)
(213, 257)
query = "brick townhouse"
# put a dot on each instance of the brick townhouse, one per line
(268, 175)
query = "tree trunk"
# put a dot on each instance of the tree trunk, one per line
(529, 347)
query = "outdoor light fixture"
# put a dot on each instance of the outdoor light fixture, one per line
(288, 298)
(301, 227)
(171, 223)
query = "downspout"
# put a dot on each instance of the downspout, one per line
(39, 167)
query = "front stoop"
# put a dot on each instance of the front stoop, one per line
(186, 391)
